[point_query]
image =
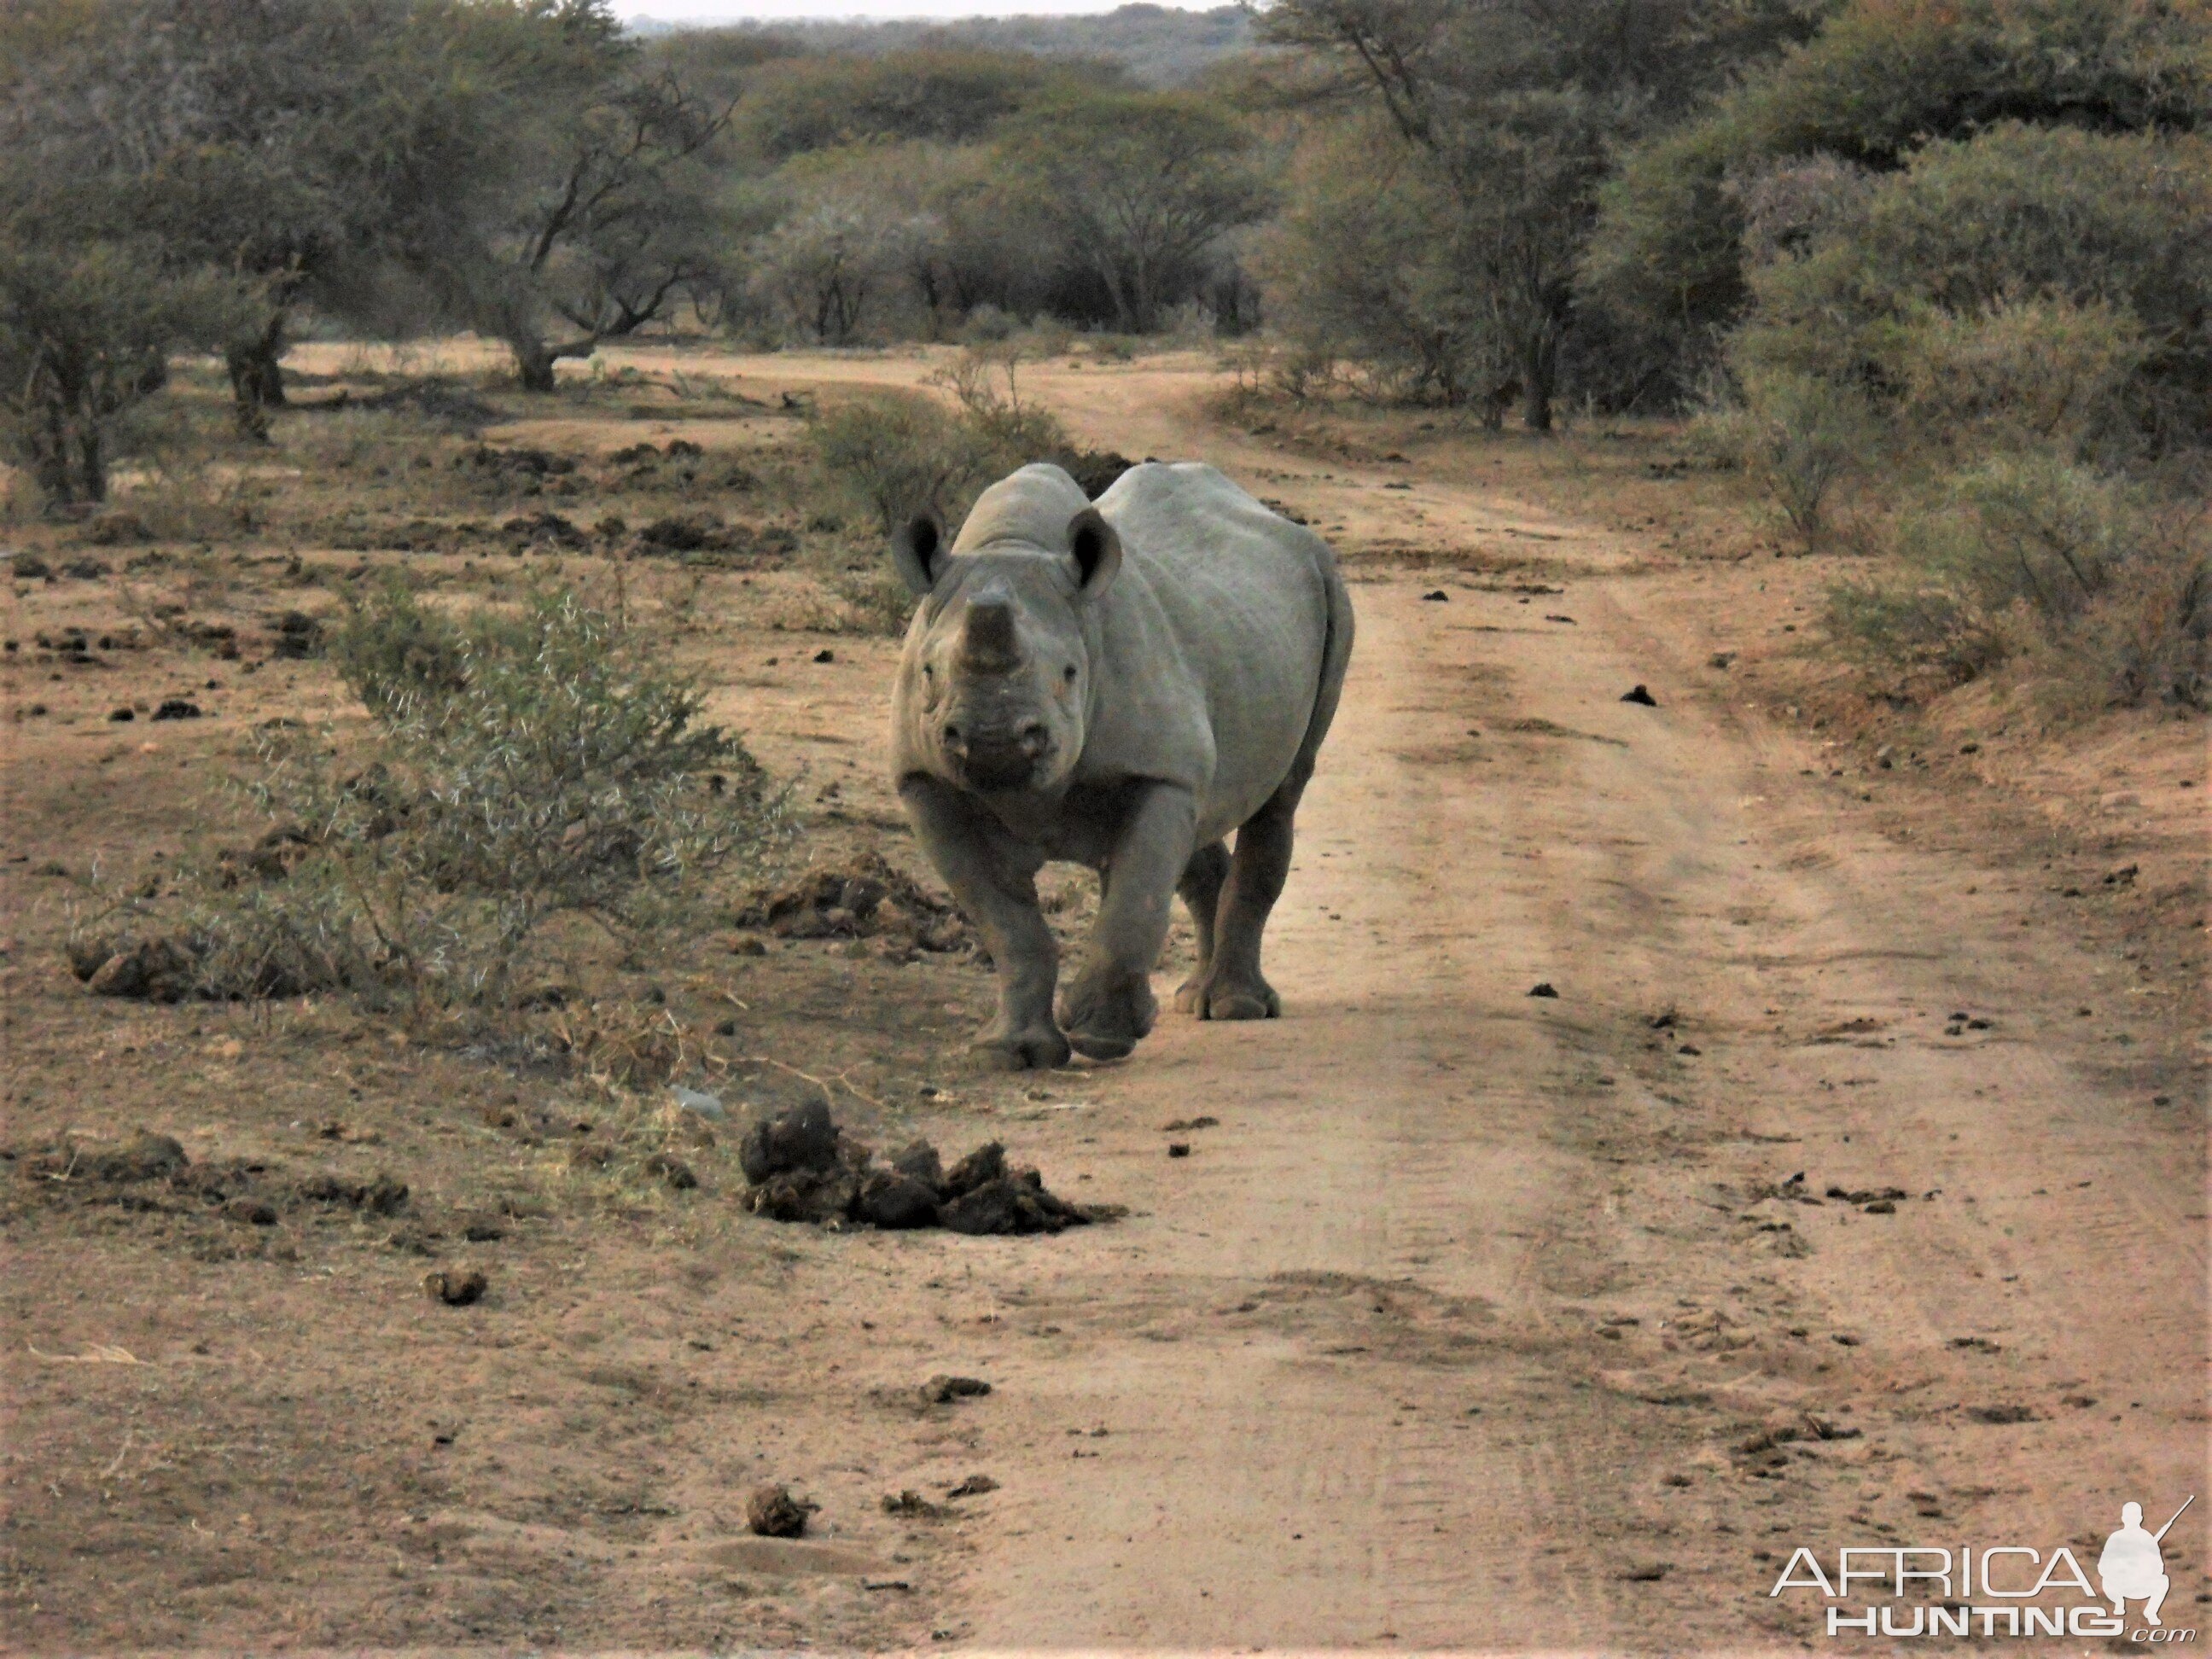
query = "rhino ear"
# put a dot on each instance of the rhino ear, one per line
(1096, 548)
(917, 552)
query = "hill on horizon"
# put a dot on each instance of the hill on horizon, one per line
(1157, 45)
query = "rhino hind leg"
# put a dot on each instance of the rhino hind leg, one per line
(1200, 887)
(1232, 986)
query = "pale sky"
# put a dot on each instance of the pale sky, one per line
(722, 11)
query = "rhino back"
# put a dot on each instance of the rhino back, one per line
(1213, 640)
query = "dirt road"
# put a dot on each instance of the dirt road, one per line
(1454, 1330)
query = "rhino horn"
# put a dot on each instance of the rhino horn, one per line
(987, 642)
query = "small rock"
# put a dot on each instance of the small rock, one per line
(114, 527)
(911, 1503)
(1436, 596)
(1178, 1149)
(1648, 1572)
(672, 1170)
(1720, 659)
(251, 1211)
(144, 1156)
(691, 1100)
(155, 970)
(974, 1486)
(454, 1288)
(748, 947)
(1640, 694)
(1542, 988)
(772, 1512)
(825, 654)
(943, 1388)
(123, 713)
(178, 708)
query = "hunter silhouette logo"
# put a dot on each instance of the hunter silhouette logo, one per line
(2133, 1567)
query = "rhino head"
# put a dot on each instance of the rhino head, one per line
(996, 675)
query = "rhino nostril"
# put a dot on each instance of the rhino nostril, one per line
(953, 739)
(1035, 738)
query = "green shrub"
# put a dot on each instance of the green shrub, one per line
(2042, 374)
(1795, 435)
(876, 601)
(2035, 557)
(1912, 625)
(986, 382)
(2067, 269)
(392, 653)
(521, 769)
(896, 455)
(2032, 531)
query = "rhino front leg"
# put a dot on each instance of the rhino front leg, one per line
(1109, 1006)
(993, 876)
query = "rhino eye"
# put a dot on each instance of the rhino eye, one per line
(1068, 673)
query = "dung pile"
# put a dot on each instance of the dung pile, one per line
(804, 1168)
(864, 899)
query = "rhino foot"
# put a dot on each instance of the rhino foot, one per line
(1223, 999)
(1037, 1048)
(1106, 1013)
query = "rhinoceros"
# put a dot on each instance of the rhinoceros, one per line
(1124, 686)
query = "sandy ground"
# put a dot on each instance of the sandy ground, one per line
(1480, 1319)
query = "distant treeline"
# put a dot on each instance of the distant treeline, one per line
(1481, 203)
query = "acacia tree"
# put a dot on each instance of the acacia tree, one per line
(1516, 106)
(615, 236)
(1141, 187)
(281, 140)
(565, 194)
(92, 299)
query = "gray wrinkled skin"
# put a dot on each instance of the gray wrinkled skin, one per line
(1124, 686)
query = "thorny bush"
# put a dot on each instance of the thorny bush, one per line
(521, 769)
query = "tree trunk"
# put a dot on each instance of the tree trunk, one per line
(533, 363)
(257, 378)
(92, 461)
(1540, 368)
(50, 454)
